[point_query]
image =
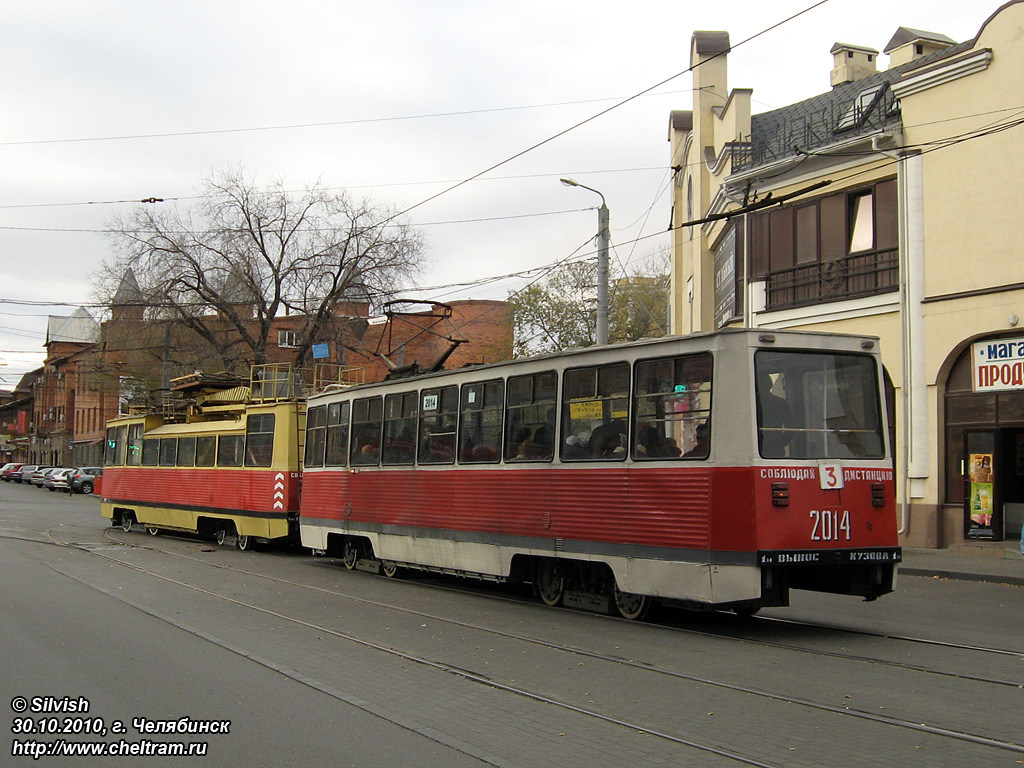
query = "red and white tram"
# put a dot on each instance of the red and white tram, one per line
(719, 470)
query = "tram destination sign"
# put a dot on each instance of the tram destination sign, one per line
(997, 365)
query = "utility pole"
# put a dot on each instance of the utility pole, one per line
(603, 236)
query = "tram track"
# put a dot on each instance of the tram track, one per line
(647, 668)
(109, 547)
(427, 583)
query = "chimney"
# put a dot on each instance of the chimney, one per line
(852, 62)
(911, 44)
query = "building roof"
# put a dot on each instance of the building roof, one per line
(848, 109)
(78, 328)
(906, 35)
(128, 291)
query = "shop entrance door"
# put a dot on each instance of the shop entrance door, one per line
(982, 503)
(1011, 482)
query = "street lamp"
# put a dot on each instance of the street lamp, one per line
(602, 262)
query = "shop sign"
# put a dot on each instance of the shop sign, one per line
(998, 365)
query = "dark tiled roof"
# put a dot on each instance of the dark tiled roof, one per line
(827, 118)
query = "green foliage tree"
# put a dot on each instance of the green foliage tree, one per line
(560, 313)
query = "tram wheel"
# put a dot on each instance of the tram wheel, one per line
(152, 530)
(127, 519)
(746, 611)
(550, 585)
(390, 569)
(243, 542)
(631, 606)
(220, 535)
(350, 554)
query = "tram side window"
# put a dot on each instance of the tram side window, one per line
(530, 417)
(229, 450)
(439, 409)
(595, 413)
(168, 451)
(116, 445)
(480, 416)
(206, 451)
(400, 428)
(367, 420)
(316, 436)
(109, 448)
(337, 434)
(673, 408)
(134, 457)
(150, 452)
(186, 451)
(259, 440)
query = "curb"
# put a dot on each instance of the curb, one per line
(989, 578)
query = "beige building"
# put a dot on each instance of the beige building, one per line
(882, 206)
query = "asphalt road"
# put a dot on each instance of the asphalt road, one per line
(290, 659)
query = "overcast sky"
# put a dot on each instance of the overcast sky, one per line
(110, 101)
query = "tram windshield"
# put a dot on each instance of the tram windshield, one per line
(818, 405)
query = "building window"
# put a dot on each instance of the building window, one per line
(287, 339)
(862, 227)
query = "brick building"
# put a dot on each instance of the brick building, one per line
(93, 370)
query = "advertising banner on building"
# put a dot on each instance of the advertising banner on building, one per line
(982, 498)
(725, 278)
(998, 365)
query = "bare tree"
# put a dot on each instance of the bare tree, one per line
(243, 255)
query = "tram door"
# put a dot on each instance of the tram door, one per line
(983, 458)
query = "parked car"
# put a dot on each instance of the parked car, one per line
(83, 480)
(8, 469)
(38, 475)
(57, 479)
(23, 474)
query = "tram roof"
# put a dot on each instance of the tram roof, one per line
(707, 340)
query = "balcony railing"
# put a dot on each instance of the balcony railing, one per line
(862, 274)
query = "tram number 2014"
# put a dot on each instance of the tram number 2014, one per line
(830, 525)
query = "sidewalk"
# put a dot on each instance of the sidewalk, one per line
(951, 564)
